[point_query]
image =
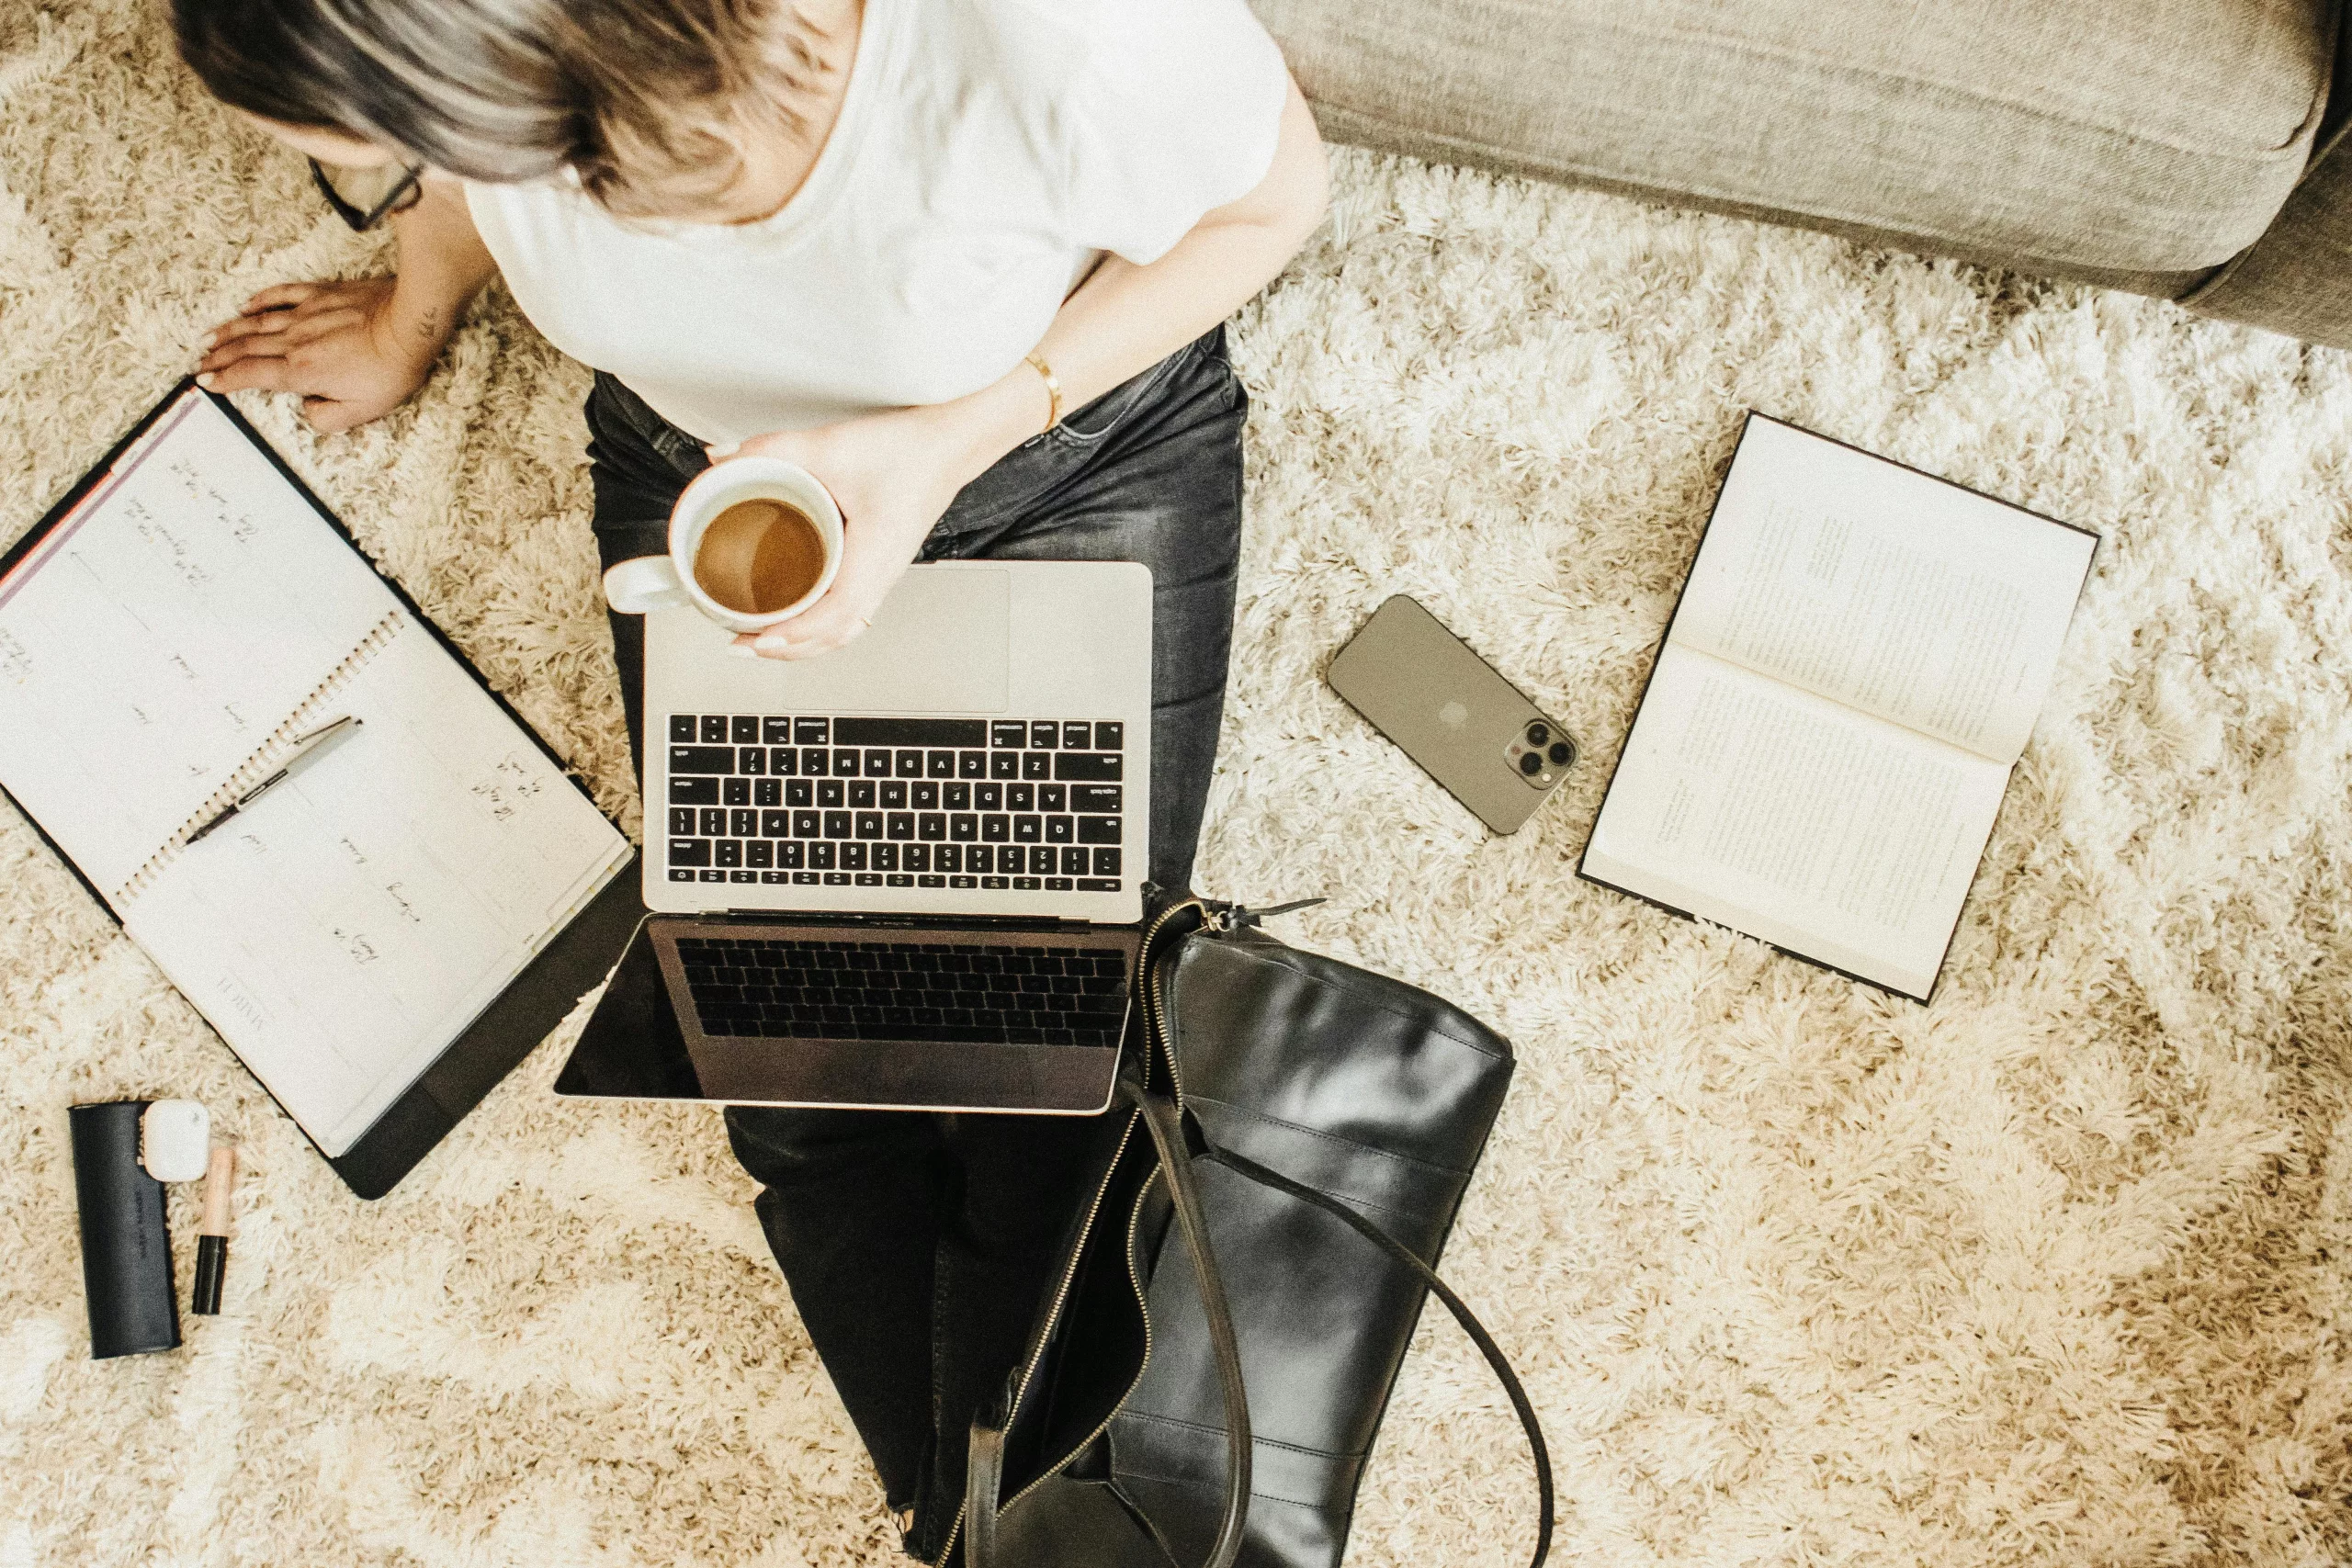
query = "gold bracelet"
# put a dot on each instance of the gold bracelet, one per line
(1053, 388)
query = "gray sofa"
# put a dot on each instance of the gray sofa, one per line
(2187, 149)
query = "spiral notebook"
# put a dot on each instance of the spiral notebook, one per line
(165, 637)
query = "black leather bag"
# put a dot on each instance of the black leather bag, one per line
(1203, 1384)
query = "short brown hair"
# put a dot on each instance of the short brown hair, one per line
(646, 101)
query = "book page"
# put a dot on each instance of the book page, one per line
(1795, 819)
(162, 631)
(1882, 588)
(342, 930)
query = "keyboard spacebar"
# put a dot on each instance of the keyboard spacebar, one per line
(911, 732)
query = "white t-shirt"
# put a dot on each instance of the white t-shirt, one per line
(987, 154)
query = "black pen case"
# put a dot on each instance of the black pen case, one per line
(126, 1248)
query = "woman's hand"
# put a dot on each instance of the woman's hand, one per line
(892, 474)
(342, 345)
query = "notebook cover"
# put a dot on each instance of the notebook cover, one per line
(533, 1004)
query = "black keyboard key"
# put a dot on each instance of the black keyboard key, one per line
(767, 792)
(906, 764)
(690, 851)
(932, 827)
(775, 824)
(837, 879)
(682, 728)
(844, 762)
(900, 825)
(1077, 735)
(751, 758)
(774, 877)
(813, 762)
(807, 825)
(743, 730)
(743, 822)
(1057, 885)
(1027, 885)
(853, 856)
(878, 764)
(979, 858)
(1004, 764)
(693, 791)
(809, 732)
(837, 824)
(1098, 885)
(682, 820)
(1010, 732)
(1106, 863)
(1052, 797)
(1073, 861)
(783, 761)
(714, 822)
(799, 791)
(956, 796)
(900, 880)
(932, 881)
(1109, 735)
(996, 828)
(1036, 765)
(910, 732)
(791, 854)
(804, 879)
(963, 881)
(894, 796)
(1028, 828)
(971, 764)
(1057, 830)
(926, 796)
(1089, 767)
(832, 792)
(776, 733)
(1021, 797)
(1045, 734)
(869, 879)
(988, 797)
(1098, 830)
(861, 794)
(939, 764)
(735, 792)
(714, 728)
(820, 855)
(963, 826)
(915, 857)
(869, 824)
(883, 856)
(727, 852)
(702, 758)
(759, 854)
(948, 858)
(1095, 797)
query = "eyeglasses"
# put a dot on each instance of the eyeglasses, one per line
(365, 198)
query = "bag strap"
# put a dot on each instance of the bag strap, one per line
(984, 1472)
(1242, 1164)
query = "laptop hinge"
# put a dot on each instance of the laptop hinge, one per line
(905, 922)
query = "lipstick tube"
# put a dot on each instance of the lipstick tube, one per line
(212, 1235)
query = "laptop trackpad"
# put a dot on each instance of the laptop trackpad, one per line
(941, 643)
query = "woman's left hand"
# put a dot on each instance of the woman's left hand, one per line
(888, 474)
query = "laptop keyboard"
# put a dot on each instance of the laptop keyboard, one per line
(1036, 805)
(903, 990)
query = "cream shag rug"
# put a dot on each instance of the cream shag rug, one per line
(2056, 1272)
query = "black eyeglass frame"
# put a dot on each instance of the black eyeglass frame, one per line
(405, 193)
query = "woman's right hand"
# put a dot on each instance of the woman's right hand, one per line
(341, 345)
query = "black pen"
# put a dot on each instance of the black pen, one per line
(306, 748)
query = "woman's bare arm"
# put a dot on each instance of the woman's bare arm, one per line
(357, 350)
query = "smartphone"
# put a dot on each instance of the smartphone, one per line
(1470, 729)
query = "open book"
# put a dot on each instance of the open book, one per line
(164, 639)
(1853, 670)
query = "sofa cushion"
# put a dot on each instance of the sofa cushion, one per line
(2156, 136)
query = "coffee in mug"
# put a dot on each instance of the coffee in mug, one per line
(758, 556)
(754, 541)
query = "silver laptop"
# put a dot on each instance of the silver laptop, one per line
(906, 875)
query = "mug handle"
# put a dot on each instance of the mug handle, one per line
(649, 582)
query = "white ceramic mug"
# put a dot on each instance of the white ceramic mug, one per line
(654, 583)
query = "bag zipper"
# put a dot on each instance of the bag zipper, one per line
(1156, 1038)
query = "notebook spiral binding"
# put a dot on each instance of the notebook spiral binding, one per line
(265, 757)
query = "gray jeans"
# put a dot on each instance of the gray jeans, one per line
(1151, 471)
